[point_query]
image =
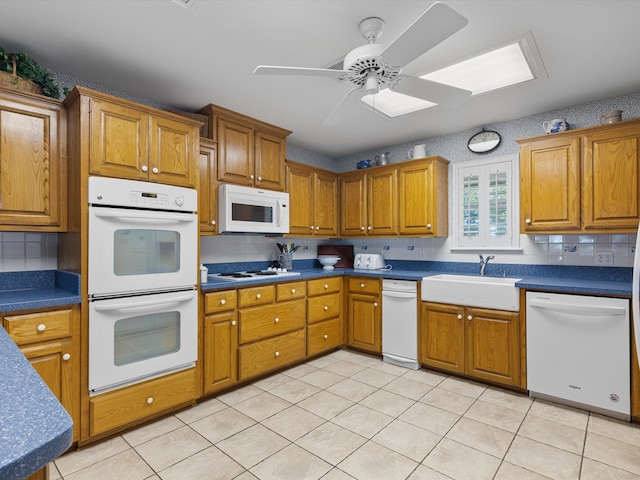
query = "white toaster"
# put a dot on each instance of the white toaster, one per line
(369, 261)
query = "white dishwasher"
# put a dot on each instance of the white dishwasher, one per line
(578, 351)
(400, 323)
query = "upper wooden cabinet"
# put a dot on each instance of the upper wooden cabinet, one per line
(313, 200)
(128, 140)
(33, 162)
(581, 180)
(208, 192)
(250, 152)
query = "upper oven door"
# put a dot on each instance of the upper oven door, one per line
(141, 250)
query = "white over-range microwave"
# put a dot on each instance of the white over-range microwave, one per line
(252, 210)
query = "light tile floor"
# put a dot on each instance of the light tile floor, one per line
(348, 415)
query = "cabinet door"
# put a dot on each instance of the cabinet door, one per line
(208, 194)
(442, 336)
(173, 152)
(353, 206)
(326, 205)
(119, 141)
(365, 322)
(235, 152)
(611, 160)
(301, 200)
(493, 345)
(382, 202)
(550, 185)
(415, 192)
(32, 175)
(220, 351)
(269, 161)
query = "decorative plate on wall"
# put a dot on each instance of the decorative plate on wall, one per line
(484, 141)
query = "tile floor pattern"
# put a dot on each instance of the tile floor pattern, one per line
(351, 416)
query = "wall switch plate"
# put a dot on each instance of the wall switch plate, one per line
(604, 259)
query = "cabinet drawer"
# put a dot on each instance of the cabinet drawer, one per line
(220, 301)
(256, 295)
(323, 336)
(272, 353)
(324, 285)
(115, 409)
(36, 327)
(262, 322)
(291, 290)
(323, 307)
(365, 285)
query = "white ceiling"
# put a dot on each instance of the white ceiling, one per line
(187, 58)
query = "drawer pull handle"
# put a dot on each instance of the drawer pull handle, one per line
(259, 296)
(277, 354)
(66, 356)
(223, 301)
(213, 222)
(326, 336)
(233, 322)
(293, 290)
(428, 225)
(276, 320)
(42, 327)
(326, 286)
(326, 308)
(375, 304)
(149, 400)
(459, 317)
(362, 285)
(469, 317)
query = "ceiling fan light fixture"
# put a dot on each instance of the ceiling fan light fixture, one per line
(371, 86)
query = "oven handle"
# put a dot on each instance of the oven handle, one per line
(147, 303)
(142, 217)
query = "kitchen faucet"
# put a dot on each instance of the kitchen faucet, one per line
(483, 263)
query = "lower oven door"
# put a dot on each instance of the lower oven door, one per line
(132, 339)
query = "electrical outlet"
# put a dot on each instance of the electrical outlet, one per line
(604, 258)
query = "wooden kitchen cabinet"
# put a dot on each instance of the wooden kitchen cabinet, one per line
(33, 160)
(313, 200)
(324, 314)
(250, 152)
(478, 342)
(50, 341)
(132, 141)
(208, 192)
(423, 197)
(220, 356)
(585, 180)
(369, 202)
(364, 330)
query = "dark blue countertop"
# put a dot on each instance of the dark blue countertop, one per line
(37, 289)
(586, 280)
(34, 428)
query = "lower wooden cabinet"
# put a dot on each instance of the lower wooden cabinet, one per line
(478, 342)
(265, 355)
(365, 314)
(323, 336)
(220, 356)
(324, 315)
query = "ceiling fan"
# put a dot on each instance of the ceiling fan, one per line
(374, 66)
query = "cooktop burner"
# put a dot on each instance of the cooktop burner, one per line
(237, 276)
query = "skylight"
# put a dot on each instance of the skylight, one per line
(503, 66)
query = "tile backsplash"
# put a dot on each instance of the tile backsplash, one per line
(28, 251)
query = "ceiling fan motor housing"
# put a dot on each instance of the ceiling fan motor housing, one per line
(361, 60)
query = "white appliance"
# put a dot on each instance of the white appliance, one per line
(369, 261)
(143, 269)
(635, 299)
(578, 351)
(252, 275)
(252, 210)
(400, 323)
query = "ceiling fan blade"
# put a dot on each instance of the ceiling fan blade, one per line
(431, 91)
(275, 70)
(339, 112)
(438, 23)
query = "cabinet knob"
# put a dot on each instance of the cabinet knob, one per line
(251, 177)
(311, 227)
(375, 304)
(293, 290)
(233, 323)
(428, 225)
(155, 170)
(325, 336)
(362, 228)
(276, 320)
(469, 317)
(459, 317)
(326, 308)
(527, 221)
(277, 354)
(66, 356)
(362, 285)
(213, 222)
(326, 286)
(369, 228)
(223, 302)
(259, 296)
(149, 400)
(317, 228)
(259, 179)
(42, 327)
(144, 168)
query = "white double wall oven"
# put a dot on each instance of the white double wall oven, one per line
(143, 267)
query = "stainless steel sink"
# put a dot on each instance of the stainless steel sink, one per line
(498, 293)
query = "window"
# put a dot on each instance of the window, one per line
(486, 204)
